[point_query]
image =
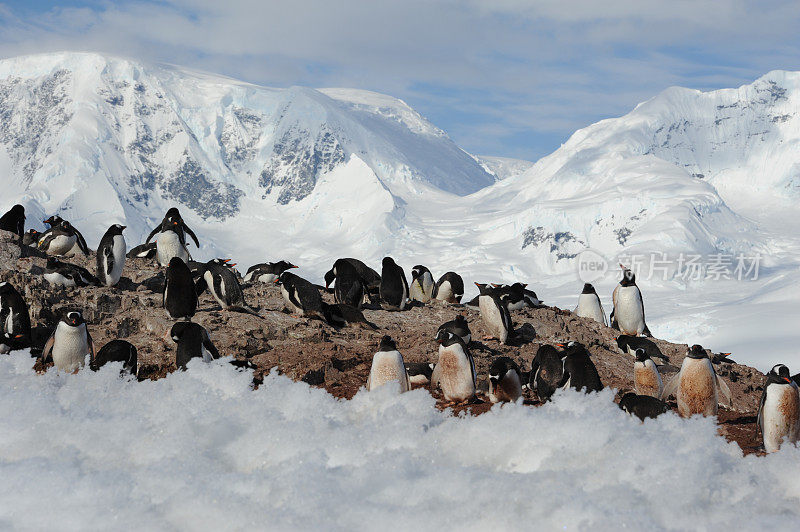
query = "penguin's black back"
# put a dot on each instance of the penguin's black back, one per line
(117, 351)
(308, 295)
(458, 326)
(348, 289)
(180, 295)
(642, 406)
(546, 371)
(14, 220)
(369, 277)
(582, 372)
(189, 337)
(626, 341)
(222, 274)
(393, 281)
(143, 251)
(456, 284)
(14, 303)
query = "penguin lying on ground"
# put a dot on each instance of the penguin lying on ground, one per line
(387, 366)
(422, 285)
(449, 288)
(629, 344)
(219, 277)
(66, 274)
(302, 297)
(779, 409)
(62, 239)
(341, 315)
(505, 381)
(267, 272)
(459, 327)
(15, 321)
(143, 251)
(697, 386)
(31, 238)
(117, 351)
(111, 256)
(589, 305)
(547, 370)
(516, 296)
(70, 343)
(628, 313)
(193, 342)
(454, 372)
(642, 406)
(419, 372)
(171, 240)
(580, 372)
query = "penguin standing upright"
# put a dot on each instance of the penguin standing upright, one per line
(111, 255)
(779, 409)
(267, 272)
(394, 287)
(697, 386)
(449, 288)
(589, 305)
(302, 297)
(628, 313)
(459, 327)
(15, 321)
(219, 276)
(495, 315)
(348, 288)
(422, 284)
(580, 372)
(180, 293)
(171, 240)
(117, 351)
(547, 370)
(70, 343)
(646, 379)
(193, 342)
(387, 366)
(62, 239)
(454, 372)
(505, 381)
(14, 220)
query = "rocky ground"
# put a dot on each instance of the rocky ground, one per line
(337, 360)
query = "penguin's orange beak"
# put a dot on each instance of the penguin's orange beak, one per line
(232, 265)
(787, 380)
(174, 223)
(559, 345)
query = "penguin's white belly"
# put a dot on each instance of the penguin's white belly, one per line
(455, 374)
(492, 318)
(629, 311)
(697, 388)
(647, 380)
(589, 307)
(62, 244)
(207, 357)
(509, 389)
(169, 245)
(779, 417)
(268, 278)
(58, 279)
(387, 366)
(70, 347)
(118, 249)
(422, 288)
(519, 305)
(209, 279)
(294, 308)
(445, 293)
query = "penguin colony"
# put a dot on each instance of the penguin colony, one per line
(696, 387)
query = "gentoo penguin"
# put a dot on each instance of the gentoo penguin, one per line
(394, 287)
(422, 284)
(642, 406)
(580, 372)
(341, 315)
(66, 274)
(15, 322)
(180, 293)
(646, 380)
(516, 296)
(628, 313)
(370, 279)
(219, 277)
(697, 386)
(116, 351)
(495, 315)
(449, 288)
(474, 301)
(31, 237)
(70, 343)
(779, 410)
(302, 297)
(14, 220)
(589, 305)
(267, 272)
(348, 288)
(419, 372)
(459, 327)
(629, 344)
(505, 381)
(143, 251)
(62, 239)
(547, 370)
(193, 342)
(454, 372)
(171, 240)
(387, 365)
(111, 255)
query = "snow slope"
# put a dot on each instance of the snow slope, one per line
(199, 449)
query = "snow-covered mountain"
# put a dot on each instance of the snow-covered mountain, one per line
(312, 175)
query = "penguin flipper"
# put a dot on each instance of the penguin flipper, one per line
(210, 347)
(47, 352)
(671, 387)
(82, 242)
(759, 419)
(647, 332)
(91, 346)
(153, 233)
(191, 234)
(435, 377)
(723, 387)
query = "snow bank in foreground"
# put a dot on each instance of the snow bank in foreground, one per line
(200, 450)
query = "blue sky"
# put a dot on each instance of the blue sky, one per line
(511, 78)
